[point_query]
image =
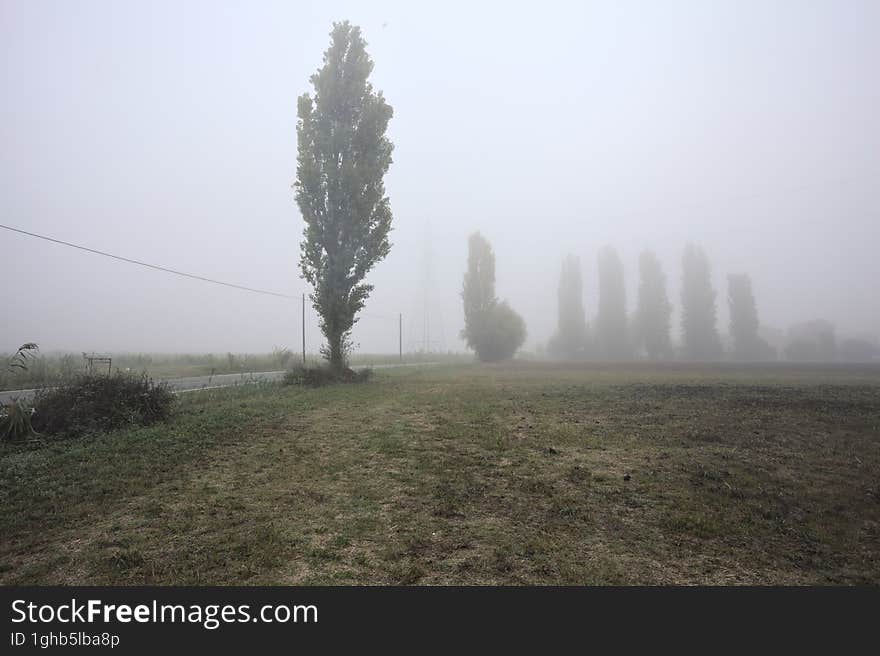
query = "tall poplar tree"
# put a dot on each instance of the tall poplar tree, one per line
(654, 308)
(698, 320)
(571, 333)
(748, 345)
(343, 155)
(611, 323)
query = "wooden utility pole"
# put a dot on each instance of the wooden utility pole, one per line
(304, 329)
(400, 335)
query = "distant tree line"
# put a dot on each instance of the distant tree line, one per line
(816, 341)
(495, 331)
(646, 334)
(616, 336)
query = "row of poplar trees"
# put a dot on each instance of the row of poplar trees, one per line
(616, 336)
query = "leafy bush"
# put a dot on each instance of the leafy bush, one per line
(15, 422)
(294, 376)
(90, 403)
(320, 376)
(497, 333)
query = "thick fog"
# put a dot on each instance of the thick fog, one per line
(165, 132)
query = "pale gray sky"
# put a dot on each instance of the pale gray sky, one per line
(165, 132)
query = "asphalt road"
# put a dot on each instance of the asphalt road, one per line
(195, 383)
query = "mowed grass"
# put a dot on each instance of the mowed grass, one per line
(513, 474)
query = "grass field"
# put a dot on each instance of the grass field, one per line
(470, 474)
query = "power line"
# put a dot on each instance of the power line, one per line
(148, 265)
(179, 273)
